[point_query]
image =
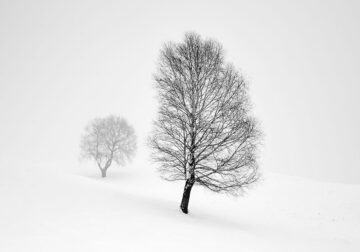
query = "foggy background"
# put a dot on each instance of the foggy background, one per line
(63, 63)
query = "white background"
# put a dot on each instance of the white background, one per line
(64, 62)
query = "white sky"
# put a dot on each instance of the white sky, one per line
(65, 62)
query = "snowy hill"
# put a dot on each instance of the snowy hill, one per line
(133, 210)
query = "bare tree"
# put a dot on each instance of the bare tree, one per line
(108, 139)
(204, 133)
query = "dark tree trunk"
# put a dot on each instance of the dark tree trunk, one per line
(103, 173)
(186, 195)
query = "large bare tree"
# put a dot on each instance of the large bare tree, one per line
(204, 133)
(107, 140)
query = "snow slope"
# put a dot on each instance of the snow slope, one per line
(46, 209)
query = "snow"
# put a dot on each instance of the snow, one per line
(55, 209)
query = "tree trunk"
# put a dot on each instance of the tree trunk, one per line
(186, 195)
(103, 173)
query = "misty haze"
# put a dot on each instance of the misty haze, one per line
(179, 125)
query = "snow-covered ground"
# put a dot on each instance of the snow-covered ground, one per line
(48, 209)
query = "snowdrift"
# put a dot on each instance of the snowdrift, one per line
(46, 209)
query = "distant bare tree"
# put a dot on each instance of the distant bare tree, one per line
(204, 133)
(108, 139)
